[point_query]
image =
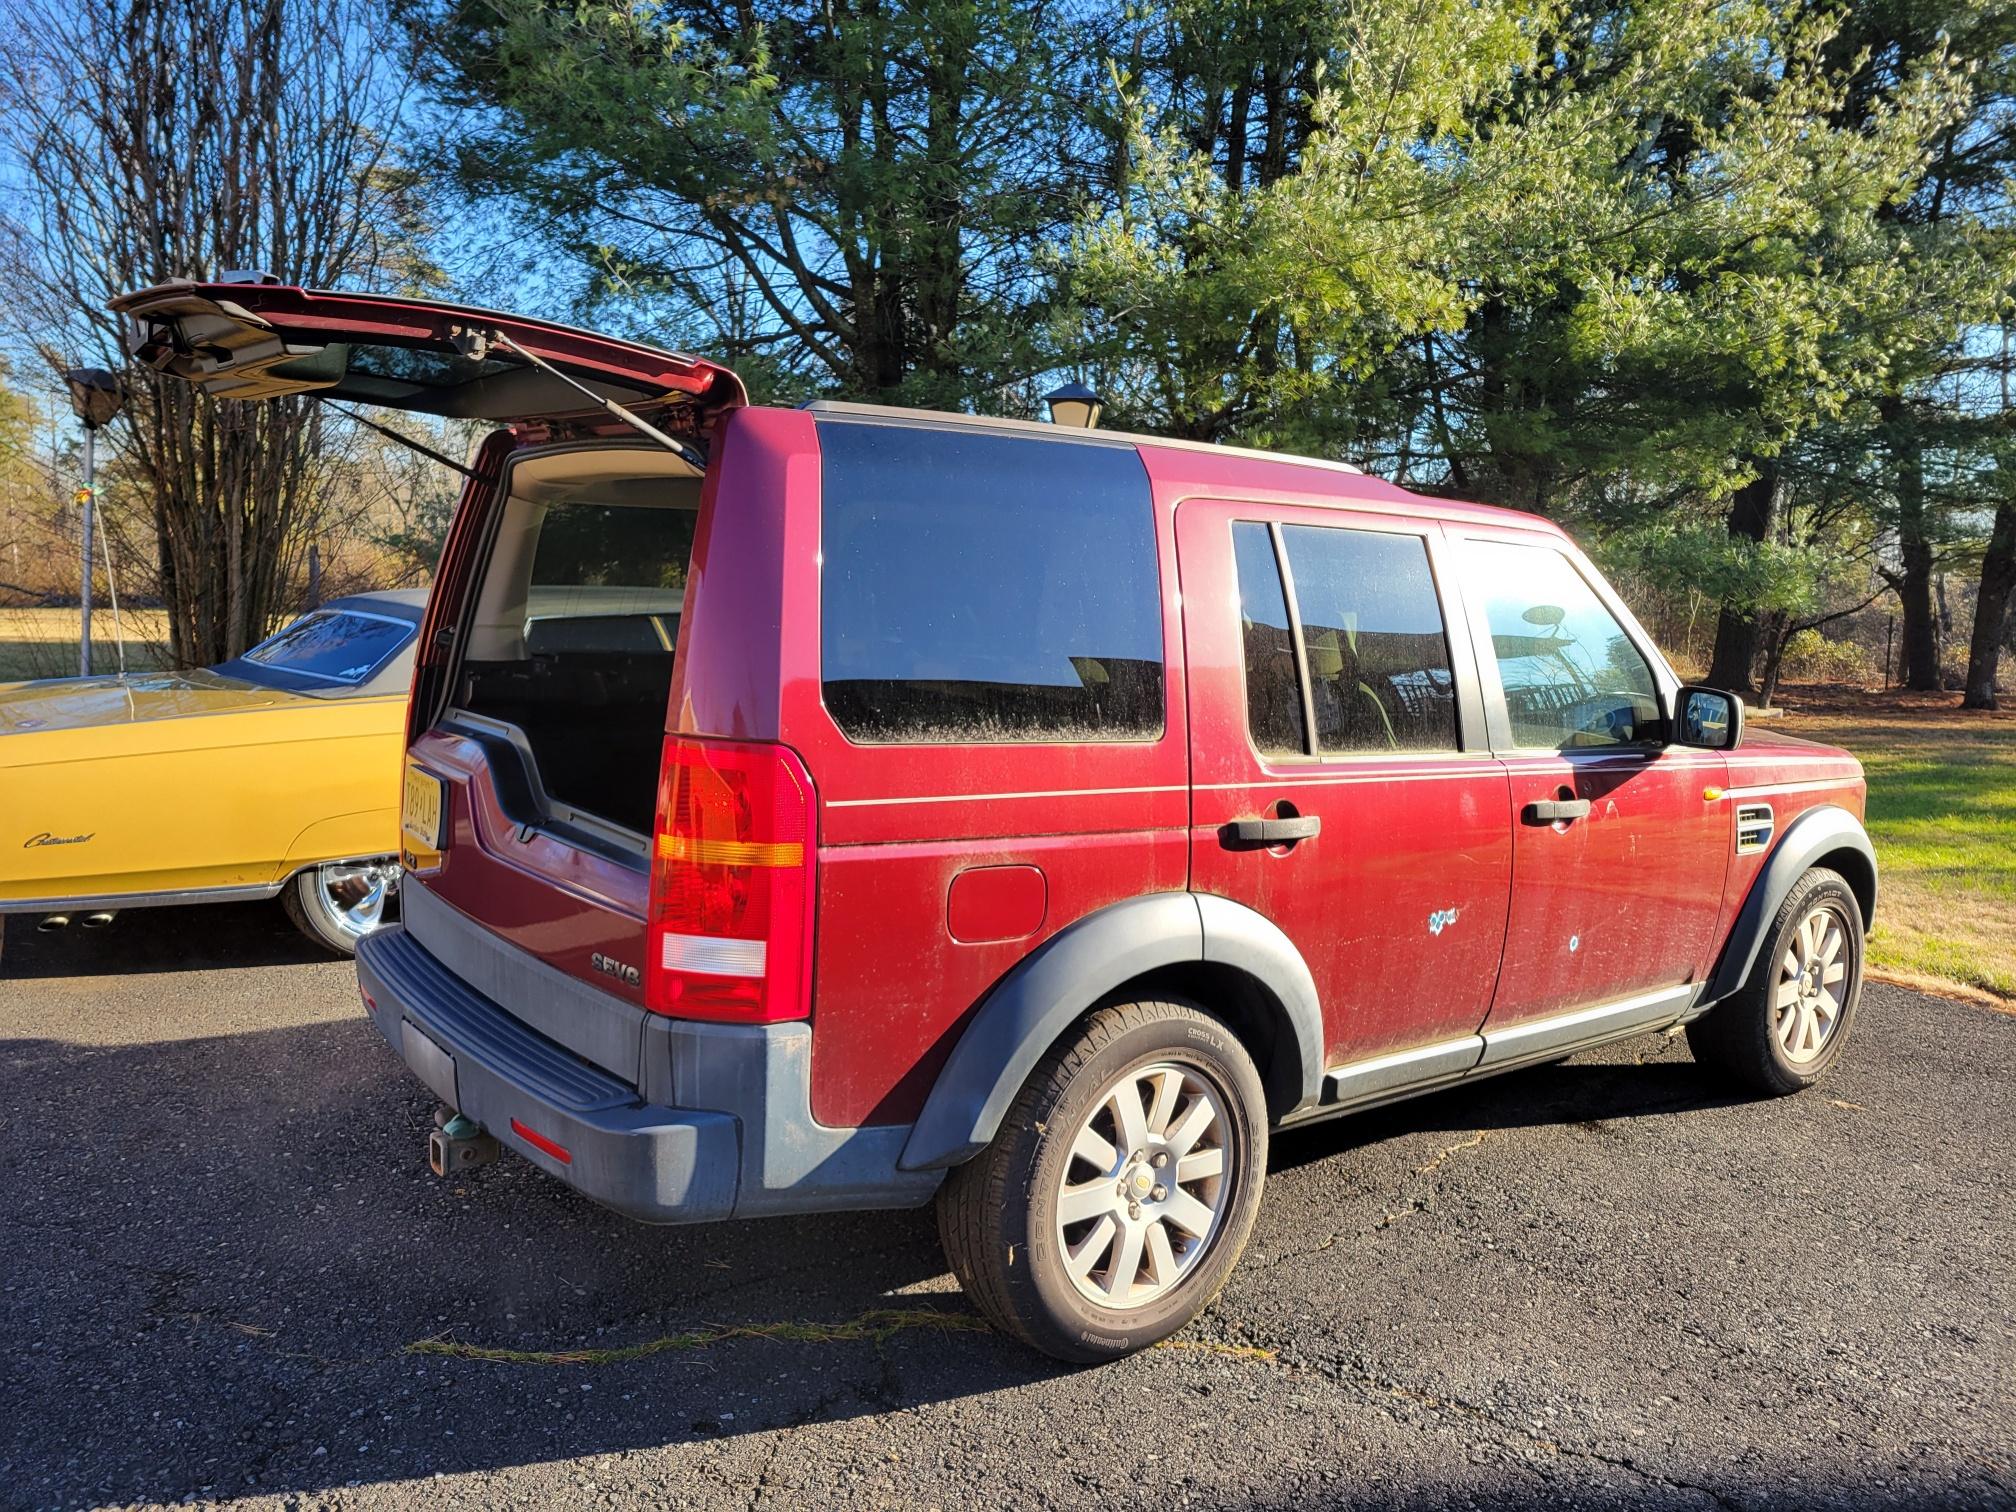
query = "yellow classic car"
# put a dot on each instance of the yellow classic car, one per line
(273, 774)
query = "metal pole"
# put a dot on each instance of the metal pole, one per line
(87, 499)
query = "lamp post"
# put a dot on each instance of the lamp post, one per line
(1074, 405)
(95, 397)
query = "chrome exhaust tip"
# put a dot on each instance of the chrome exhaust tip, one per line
(98, 920)
(53, 922)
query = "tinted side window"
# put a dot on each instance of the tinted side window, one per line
(1273, 682)
(981, 587)
(1572, 678)
(1372, 630)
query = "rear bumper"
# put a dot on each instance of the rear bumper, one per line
(752, 1149)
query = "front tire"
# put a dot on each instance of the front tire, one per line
(337, 903)
(1120, 1189)
(1788, 1024)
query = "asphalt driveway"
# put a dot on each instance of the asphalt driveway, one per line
(228, 1274)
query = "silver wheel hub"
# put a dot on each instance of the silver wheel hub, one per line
(354, 893)
(1146, 1182)
(1812, 985)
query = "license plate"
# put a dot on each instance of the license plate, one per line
(432, 1064)
(420, 810)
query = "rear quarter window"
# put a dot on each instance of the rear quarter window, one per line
(987, 588)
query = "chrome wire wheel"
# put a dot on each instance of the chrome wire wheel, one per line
(342, 901)
(1807, 1002)
(1149, 1177)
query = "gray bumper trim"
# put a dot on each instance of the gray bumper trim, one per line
(741, 1143)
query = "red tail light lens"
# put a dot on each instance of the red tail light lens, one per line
(731, 884)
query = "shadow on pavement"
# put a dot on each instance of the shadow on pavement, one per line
(1587, 1094)
(208, 937)
(222, 1250)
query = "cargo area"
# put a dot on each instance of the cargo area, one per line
(575, 619)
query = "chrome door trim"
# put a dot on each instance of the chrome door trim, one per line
(1362, 1081)
(1561, 1033)
(1357, 1085)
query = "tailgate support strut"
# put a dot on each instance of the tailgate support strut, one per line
(471, 341)
(406, 441)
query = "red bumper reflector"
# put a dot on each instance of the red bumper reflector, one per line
(539, 1141)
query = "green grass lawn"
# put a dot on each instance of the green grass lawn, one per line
(43, 642)
(1942, 811)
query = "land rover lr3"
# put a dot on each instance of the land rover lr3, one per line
(845, 807)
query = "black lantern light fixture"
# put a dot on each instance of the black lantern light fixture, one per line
(95, 395)
(1074, 405)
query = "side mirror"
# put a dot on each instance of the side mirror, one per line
(1708, 718)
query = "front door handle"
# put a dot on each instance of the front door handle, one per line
(1260, 834)
(1553, 810)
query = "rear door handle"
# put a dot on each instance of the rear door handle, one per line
(1551, 810)
(1259, 834)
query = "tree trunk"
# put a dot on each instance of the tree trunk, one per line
(1751, 515)
(1914, 582)
(1991, 608)
(1777, 635)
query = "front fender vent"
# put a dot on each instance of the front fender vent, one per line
(1754, 827)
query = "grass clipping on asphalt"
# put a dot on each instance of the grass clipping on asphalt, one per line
(875, 1325)
(872, 1327)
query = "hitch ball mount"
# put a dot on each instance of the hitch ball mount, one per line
(456, 1144)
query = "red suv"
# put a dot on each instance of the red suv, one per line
(846, 807)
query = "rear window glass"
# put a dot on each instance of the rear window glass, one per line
(333, 646)
(1379, 672)
(987, 588)
(423, 365)
(1273, 680)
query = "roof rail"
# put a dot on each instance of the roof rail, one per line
(896, 414)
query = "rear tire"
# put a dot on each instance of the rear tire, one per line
(339, 902)
(1788, 1024)
(1088, 1231)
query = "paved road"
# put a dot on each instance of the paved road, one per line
(1598, 1284)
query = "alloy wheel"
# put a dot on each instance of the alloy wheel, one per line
(1807, 1003)
(1149, 1176)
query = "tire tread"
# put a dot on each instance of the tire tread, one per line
(975, 1198)
(1733, 1037)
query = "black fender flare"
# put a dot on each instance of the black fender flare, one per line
(1818, 832)
(1030, 1008)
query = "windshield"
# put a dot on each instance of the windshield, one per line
(339, 647)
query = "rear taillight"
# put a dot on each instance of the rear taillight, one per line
(731, 884)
